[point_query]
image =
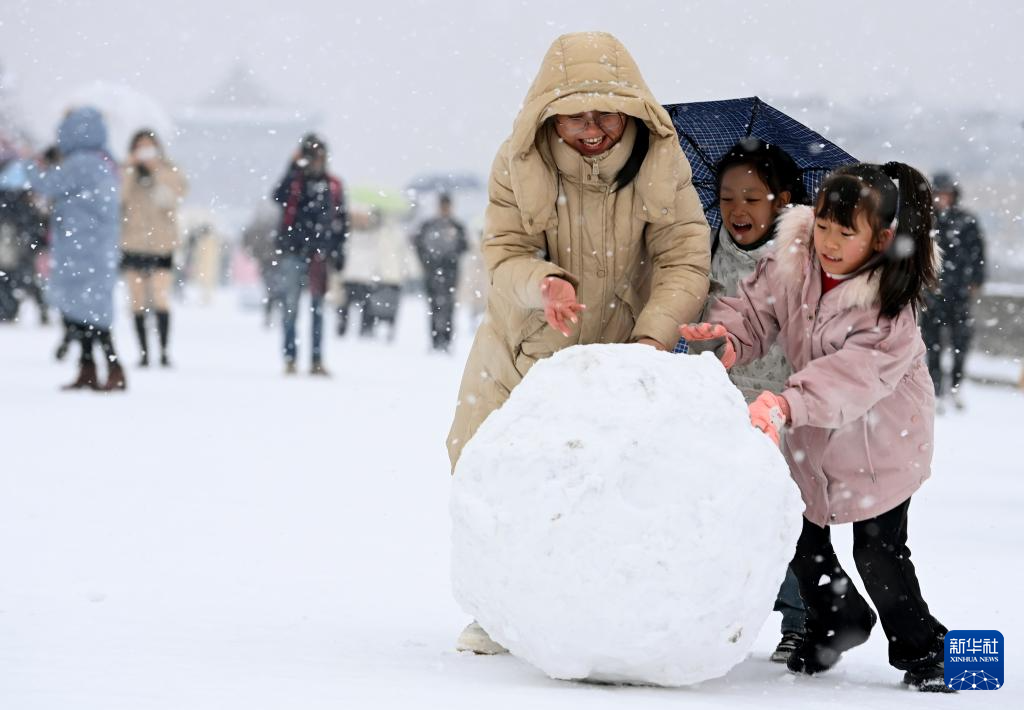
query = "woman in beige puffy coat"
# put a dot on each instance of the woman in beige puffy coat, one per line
(151, 191)
(593, 231)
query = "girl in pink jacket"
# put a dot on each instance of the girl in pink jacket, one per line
(839, 294)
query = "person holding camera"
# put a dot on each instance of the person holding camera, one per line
(151, 188)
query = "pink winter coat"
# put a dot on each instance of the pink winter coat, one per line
(862, 401)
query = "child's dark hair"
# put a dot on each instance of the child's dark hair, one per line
(908, 265)
(141, 135)
(773, 166)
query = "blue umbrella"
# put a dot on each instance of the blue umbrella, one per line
(708, 129)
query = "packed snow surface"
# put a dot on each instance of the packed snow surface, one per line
(224, 537)
(620, 520)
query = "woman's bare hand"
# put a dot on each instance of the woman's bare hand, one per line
(560, 305)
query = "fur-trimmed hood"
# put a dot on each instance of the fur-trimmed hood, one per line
(794, 253)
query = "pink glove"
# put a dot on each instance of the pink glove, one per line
(769, 413)
(560, 303)
(713, 337)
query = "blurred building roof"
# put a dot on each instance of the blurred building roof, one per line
(234, 143)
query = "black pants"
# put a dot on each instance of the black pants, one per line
(9, 303)
(883, 560)
(357, 295)
(87, 336)
(946, 316)
(163, 329)
(440, 284)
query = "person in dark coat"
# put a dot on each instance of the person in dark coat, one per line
(22, 238)
(85, 203)
(948, 309)
(311, 238)
(439, 244)
(259, 239)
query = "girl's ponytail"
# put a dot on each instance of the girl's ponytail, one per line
(910, 266)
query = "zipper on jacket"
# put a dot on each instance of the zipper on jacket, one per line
(606, 259)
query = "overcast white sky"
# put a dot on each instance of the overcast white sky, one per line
(437, 84)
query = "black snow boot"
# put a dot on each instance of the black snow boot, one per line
(788, 644)
(825, 643)
(930, 678)
(163, 327)
(140, 332)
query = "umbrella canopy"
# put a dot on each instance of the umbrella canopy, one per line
(708, 129)
(125, 111)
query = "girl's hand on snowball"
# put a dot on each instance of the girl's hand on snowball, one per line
(769, 413)
(709, 337)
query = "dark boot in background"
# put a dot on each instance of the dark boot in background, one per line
(140, 332)
(115, 379)
(163, 327)
(115, 373)
(86, 379)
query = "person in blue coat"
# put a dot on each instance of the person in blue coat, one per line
(84, 191)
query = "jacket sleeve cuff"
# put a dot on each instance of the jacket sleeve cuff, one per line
(533, 298)
(797, 407)
(656, 326)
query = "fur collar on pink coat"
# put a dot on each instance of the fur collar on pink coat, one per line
(794, 254)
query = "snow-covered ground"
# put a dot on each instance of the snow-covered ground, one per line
(224, 537)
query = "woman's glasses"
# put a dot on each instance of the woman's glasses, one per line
(607, 122)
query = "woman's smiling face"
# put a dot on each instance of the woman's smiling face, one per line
(747, 205)
(592, 132)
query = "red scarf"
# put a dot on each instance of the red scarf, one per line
(291, 207)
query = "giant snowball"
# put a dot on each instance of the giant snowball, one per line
(620, 520)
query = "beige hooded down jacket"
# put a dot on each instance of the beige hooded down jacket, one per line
(150, 210)
(637, 255)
